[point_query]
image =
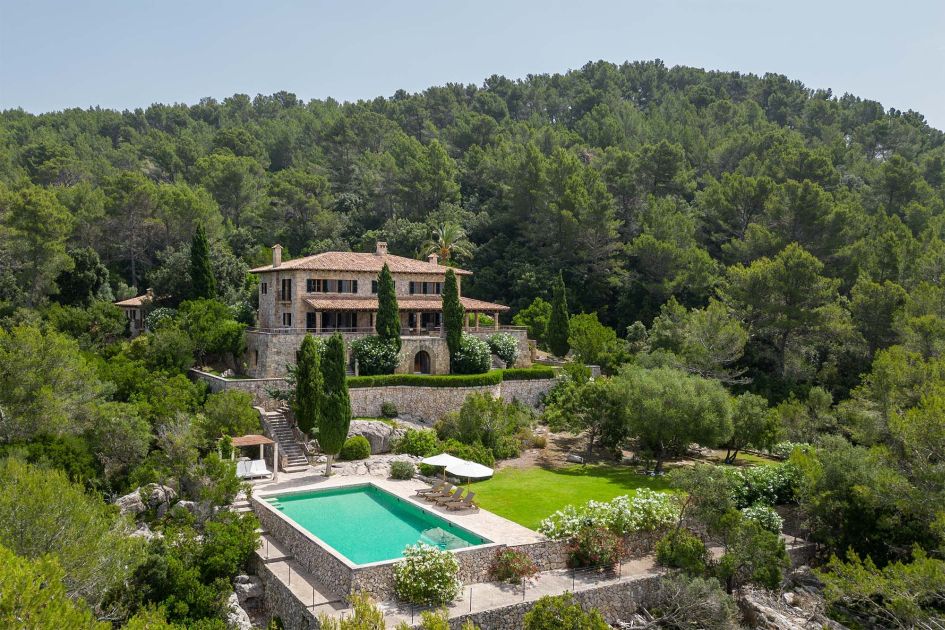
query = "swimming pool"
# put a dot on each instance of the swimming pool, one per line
(366, 524)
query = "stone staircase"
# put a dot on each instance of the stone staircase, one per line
(291, 454)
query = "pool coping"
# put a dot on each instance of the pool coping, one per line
(261, 500)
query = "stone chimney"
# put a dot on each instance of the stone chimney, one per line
(433, 259)
(381, 248)
(276, 255)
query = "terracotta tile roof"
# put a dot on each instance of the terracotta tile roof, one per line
(250, 440)
(358, 261)
(413, 303)
(138, 300)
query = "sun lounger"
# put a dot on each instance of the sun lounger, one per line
(464, 503)
(456, 496)
(258, 468)
(445, 491)
(436, 487)
(242, 469)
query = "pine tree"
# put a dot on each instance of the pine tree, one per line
(559, 324)
(453, 314)
(387, 324)
(202, 282)
(336, 406)
(308, 386)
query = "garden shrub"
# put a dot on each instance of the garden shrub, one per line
(536, 372)
(561, 612)
(472, 452)
(375, 355)
(355, 447)
(388, 409)
(365, 616)
(647, 510)
(765, 516)
(594, 546)
(783, 450)
(427, 380)
(512, 566)
(507, 447)
(159, 316)
(488, 421)
(770, 485)
(472, 357)
(402, 470)
(504, 346)
(419, 442)
(427, 576)
(681, 549)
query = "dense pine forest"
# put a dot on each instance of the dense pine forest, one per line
(783, 241)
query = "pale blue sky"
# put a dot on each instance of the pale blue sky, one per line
(128, 53)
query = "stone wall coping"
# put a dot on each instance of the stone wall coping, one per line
(214, 377)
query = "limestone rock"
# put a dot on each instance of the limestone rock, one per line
(131, 503)
(576, 459)
(143, 531)
(378, 434)
(157, 495)
(247, 587)
(236, 617)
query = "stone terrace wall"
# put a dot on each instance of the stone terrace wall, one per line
(257, 387)
(282, 603)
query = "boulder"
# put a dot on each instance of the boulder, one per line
(576, 459)
(247, 587)
(131, 503)
(378, 434)
(143, 531)
(157, 495)
(236, 617)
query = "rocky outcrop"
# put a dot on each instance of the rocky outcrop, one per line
(249, 589)
(150, 497)
(376, 466)
(236, 617)
(379, 435)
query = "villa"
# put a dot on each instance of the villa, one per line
(337, 292)
(135, 309)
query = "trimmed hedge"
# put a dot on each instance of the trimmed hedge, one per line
(355, 447)
(528, 374)
(493, 377)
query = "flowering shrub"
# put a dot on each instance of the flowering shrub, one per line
(158, 316)
(426, 576)
(595, 546)
(765, 517)
(504, 346)
(646, 511)
(769, 485)
(783, 450)
(375, 355)
(512, 566)
(473, 356)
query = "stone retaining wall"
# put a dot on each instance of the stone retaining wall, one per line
(313, 557)
(282, 603)
(427, 404)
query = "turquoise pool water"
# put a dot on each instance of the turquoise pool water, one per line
(366, 524)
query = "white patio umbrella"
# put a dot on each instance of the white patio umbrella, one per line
(469, 470)
(443, 459)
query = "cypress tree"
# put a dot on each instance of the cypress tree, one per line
(308, 386)
(559, 324)
(387, 323)
(336, 405)
(453, 314)
(202, 282)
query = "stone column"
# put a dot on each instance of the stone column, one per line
(419, 322)
(497, 320)
(318, 322)
(275, 461)
(476, 320)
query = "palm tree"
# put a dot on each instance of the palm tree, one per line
(449, 239)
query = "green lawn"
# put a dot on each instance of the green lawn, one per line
(528, 495)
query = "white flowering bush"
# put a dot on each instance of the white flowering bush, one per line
(769, 485)
(504, 346)
(783, 450)
(473, 356)
(160, 315)
(427, 576)
(375, 355)
(765, 517)
(646, 511)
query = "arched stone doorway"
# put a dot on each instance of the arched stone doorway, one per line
(421, 363)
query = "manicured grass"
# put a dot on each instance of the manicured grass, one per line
(527, 495)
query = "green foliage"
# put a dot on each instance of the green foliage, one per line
(387, 323)
(355, 447)
(167, 349)
(426, 380)
(682, 601)
(597, 407)
(681, 549)
(427, 576)
(596, 344)
(535, 317)
(754, 425)
(69, 453)
(453, 315)
(308, 401)
(472, 357)
(335, 418)
(471, 452)
(419, 442)
(376, 355)
(229, 413)
(203, 286)
(402, 470)
(504, 346)
(558, 332)
(95, 326)
(32, 595)
(594, 546)
(42, 515)
(365, 616)
(645, 511)
(512, 566)
(753, 555)
(389, 409)
(536, 372)
(561, 612)
(764, 516)
(85, 282)
(486, 421)
(212, 327)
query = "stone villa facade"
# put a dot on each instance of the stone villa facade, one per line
(135, 310)
(337, 292)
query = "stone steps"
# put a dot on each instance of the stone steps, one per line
(279, 430)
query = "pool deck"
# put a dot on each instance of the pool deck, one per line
(480, 522)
